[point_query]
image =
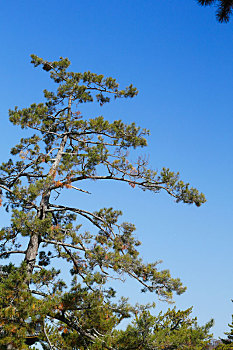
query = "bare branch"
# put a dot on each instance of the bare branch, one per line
(6, 188)
(39, 293)
(156, 186)
(47, 338)
(47, 131)
(13, 252)
(60, 111)
(67, 185)
(94, 143)
(61, 244)
(94, 133)
(79, 189)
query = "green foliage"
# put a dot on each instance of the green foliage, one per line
(66, 149)
(171, 330)
(227, 343)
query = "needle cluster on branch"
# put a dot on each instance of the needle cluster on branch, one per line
(65, 151)
(224, 8)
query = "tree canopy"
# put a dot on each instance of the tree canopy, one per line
(224, 8)
(227, 343)
(64, 151)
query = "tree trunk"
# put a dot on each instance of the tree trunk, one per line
(32, 251)
(33, 246)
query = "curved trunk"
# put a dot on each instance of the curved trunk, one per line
(33, 246)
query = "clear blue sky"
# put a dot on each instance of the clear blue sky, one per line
(180, 59)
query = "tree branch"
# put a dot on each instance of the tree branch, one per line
(47, 338)
(84, 213)
(62, 244)
(65, 319)
(13, 252)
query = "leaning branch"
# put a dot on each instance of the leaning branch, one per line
(65, 319)
(88, 215)
(12, 252)
(6, 188)
(51, 347)
(144, 184)
(61, 244)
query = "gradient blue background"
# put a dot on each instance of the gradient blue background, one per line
(180, 59)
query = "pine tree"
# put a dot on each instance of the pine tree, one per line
(171, 330)
(65, 151)
(224, 8)
(228, 342)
